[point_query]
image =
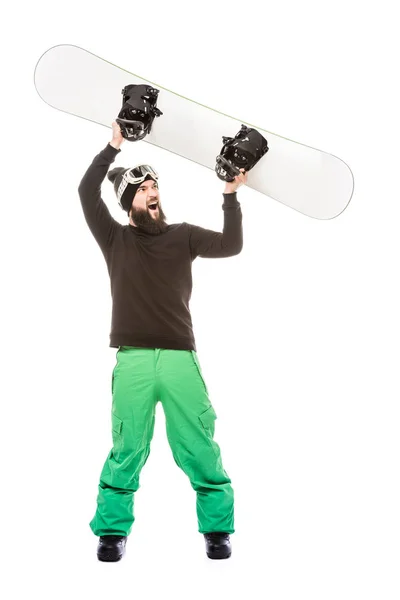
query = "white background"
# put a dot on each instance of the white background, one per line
(298, 336)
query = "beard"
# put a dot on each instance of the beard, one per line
(148, 223)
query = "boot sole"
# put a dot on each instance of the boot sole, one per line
(110, 558)
(218, 556)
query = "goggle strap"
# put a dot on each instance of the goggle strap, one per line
(123, 185)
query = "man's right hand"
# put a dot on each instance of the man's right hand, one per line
(117, 137)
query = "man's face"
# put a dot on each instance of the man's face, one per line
(141, 215)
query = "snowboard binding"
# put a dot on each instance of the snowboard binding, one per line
(138, 111)
(241, 152)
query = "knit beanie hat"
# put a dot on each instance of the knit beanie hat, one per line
(125, 201)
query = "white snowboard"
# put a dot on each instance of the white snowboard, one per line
(308, 180)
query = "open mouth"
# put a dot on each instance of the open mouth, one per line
(153, 206)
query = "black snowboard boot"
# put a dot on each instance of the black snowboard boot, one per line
(111, 547)
(218, 544)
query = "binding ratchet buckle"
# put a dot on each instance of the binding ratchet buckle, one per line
(138, 111)
(241, 152)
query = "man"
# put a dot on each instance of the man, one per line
(149, 263)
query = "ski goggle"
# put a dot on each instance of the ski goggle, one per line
(134, 176)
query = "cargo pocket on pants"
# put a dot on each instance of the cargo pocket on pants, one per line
(207, 419)
(116, 435)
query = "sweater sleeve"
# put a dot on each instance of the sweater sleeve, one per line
(98, 217)
(213, 244)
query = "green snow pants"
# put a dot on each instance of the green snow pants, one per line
(142, 377)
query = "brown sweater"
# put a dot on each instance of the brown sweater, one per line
(151, 275)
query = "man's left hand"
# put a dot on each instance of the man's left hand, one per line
(232, 186)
